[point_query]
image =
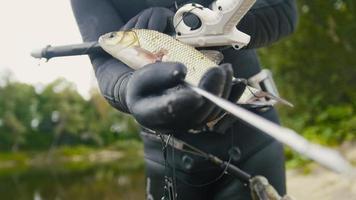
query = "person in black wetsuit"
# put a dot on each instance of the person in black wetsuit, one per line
(155, 97)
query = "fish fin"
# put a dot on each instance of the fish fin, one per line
(147, 54)
(213, 55)
(161, 55)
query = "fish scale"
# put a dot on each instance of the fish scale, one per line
(197, 63)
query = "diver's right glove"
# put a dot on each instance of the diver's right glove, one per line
(158, 100)
(154, 18)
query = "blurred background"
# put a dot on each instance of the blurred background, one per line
(60, 140)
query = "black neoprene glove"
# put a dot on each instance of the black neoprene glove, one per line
(155, 18)
(157, 99)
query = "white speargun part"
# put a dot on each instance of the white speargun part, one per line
(218, 25)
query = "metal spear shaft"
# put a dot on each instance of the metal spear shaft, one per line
(325, 156)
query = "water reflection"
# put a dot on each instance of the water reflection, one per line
(103, 182)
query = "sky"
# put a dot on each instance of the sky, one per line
(28, 25)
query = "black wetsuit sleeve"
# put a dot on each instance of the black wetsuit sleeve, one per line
(268, 21)
(95, 18)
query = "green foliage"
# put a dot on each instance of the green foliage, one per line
(297, 161)
(123, 155)
(15, 113)
(316, 68)
(57, 115)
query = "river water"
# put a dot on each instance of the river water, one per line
(99, 183)
(124, 179)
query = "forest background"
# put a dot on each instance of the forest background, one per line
(315, 68)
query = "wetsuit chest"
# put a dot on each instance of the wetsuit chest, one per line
(130, 8)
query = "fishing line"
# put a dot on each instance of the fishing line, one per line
(196, 152)
(174, 170)
(170, 184)
(176, 5)
(209, 182)
(245, 82)
(218, 177)
(249, 89)
(164, 147)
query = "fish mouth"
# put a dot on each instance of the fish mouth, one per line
(100, 40)
(123, 38)
(111, 38)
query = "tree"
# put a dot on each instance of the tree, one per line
(61, 112)
(16, 112)
(315, 68)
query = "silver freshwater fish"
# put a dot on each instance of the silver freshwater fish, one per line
(139, 47)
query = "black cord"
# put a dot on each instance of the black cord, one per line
(195, 151)
(200, 153)
(209, 182)
(174, 171)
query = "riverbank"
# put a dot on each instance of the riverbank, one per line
(117, 172)
(74, 158)
(80, 172)
(317, 183)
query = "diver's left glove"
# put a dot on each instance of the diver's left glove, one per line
(156, 96)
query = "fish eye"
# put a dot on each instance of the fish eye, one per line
(112, 35)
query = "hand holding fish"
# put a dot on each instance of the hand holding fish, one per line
(154, 93)
(157, 100)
